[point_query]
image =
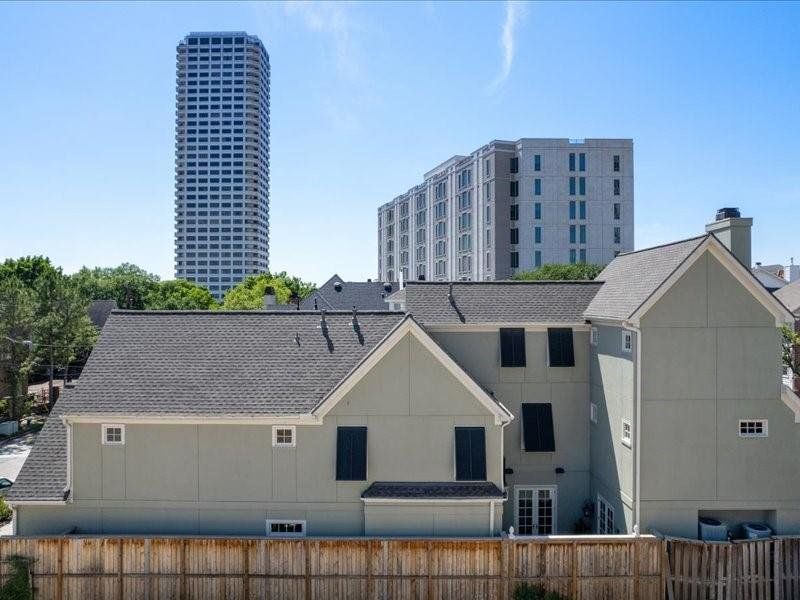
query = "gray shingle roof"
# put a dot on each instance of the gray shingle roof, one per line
(44, 474)
(500, 301)
(99, 311)
(434, 490)
(221, 363)
(631, 278)
(364, 295)
(790, 296)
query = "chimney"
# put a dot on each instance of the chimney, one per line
(269, 297)
(734, 232)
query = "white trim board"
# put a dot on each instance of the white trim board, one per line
(430, 500)
(734, 267)
(527, 326)
(791, 400)
(410, 326)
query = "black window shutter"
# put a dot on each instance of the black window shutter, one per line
(470, 454)
(351, 453)
(561, 350)
(537, 428)
(512, 347)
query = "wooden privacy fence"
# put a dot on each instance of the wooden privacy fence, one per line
(127, 568)
(766, 569)
(581, 568)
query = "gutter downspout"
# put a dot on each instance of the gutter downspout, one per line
(68, 485)
(637, 405)
(502, 473)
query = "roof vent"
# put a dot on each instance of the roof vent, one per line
(338, 286)
(387, 287)
(728, 213)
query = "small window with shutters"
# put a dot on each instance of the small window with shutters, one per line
(560, 348)
(470, 454)
(537, 428)
(351, 453)
(512, 347)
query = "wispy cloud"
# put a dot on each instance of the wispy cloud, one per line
(333, 20)
(515, 13)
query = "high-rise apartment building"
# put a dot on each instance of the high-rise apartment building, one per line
(510, 207)
(221, 159)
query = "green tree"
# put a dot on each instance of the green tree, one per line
(62, 329)
(791, 350)
(249, 294)
(553, 272)
(17, 315)
(128, 284)
(26, 269)
(179, 295)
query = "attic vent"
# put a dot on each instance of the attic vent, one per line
(338, 286)
(387, 287)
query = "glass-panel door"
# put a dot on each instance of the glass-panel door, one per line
(535, 510)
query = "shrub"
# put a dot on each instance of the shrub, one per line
(526, 591)
(5, 510)
(17, 585)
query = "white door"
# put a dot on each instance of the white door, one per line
(605, 516)
(535, 510)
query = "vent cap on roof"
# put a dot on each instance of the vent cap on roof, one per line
(338, 286)
(387, 287)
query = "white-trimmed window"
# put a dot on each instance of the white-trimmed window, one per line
(284, 436)
(279, 528)
(593, 412)
(751, 428)
(605, 516)
(627, 341)
(594, 336)
(113, 435)
(627, 432)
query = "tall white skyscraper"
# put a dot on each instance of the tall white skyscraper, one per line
(509, 207)
(221, 159)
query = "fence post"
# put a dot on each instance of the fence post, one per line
(635, 571)
(60, 577)
(120, 583)
(370, 581)
(246, 565)
(777, 570)
(148, 580)
(574, 576)
(429, 582)
(183, 570)
(308, 569)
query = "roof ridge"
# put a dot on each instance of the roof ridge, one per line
(510, 281)
(121, 311)
(675, 243)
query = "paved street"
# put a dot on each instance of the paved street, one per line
(12, 454)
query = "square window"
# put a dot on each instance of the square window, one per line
(283, 436)
(627, 342)
(753, 428)
(114, 435)
(627, 432)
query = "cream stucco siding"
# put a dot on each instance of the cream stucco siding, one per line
(710, 357)
(566, 388)
(216, 478)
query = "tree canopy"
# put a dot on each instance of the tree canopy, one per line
(179, 295)
(552, 272)
(128, 284)
(249, 294)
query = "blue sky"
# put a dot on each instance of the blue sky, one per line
(367, 97)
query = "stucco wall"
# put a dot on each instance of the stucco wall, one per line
(566, 388)
(228, 478)
(612, 389)
(710, 356)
